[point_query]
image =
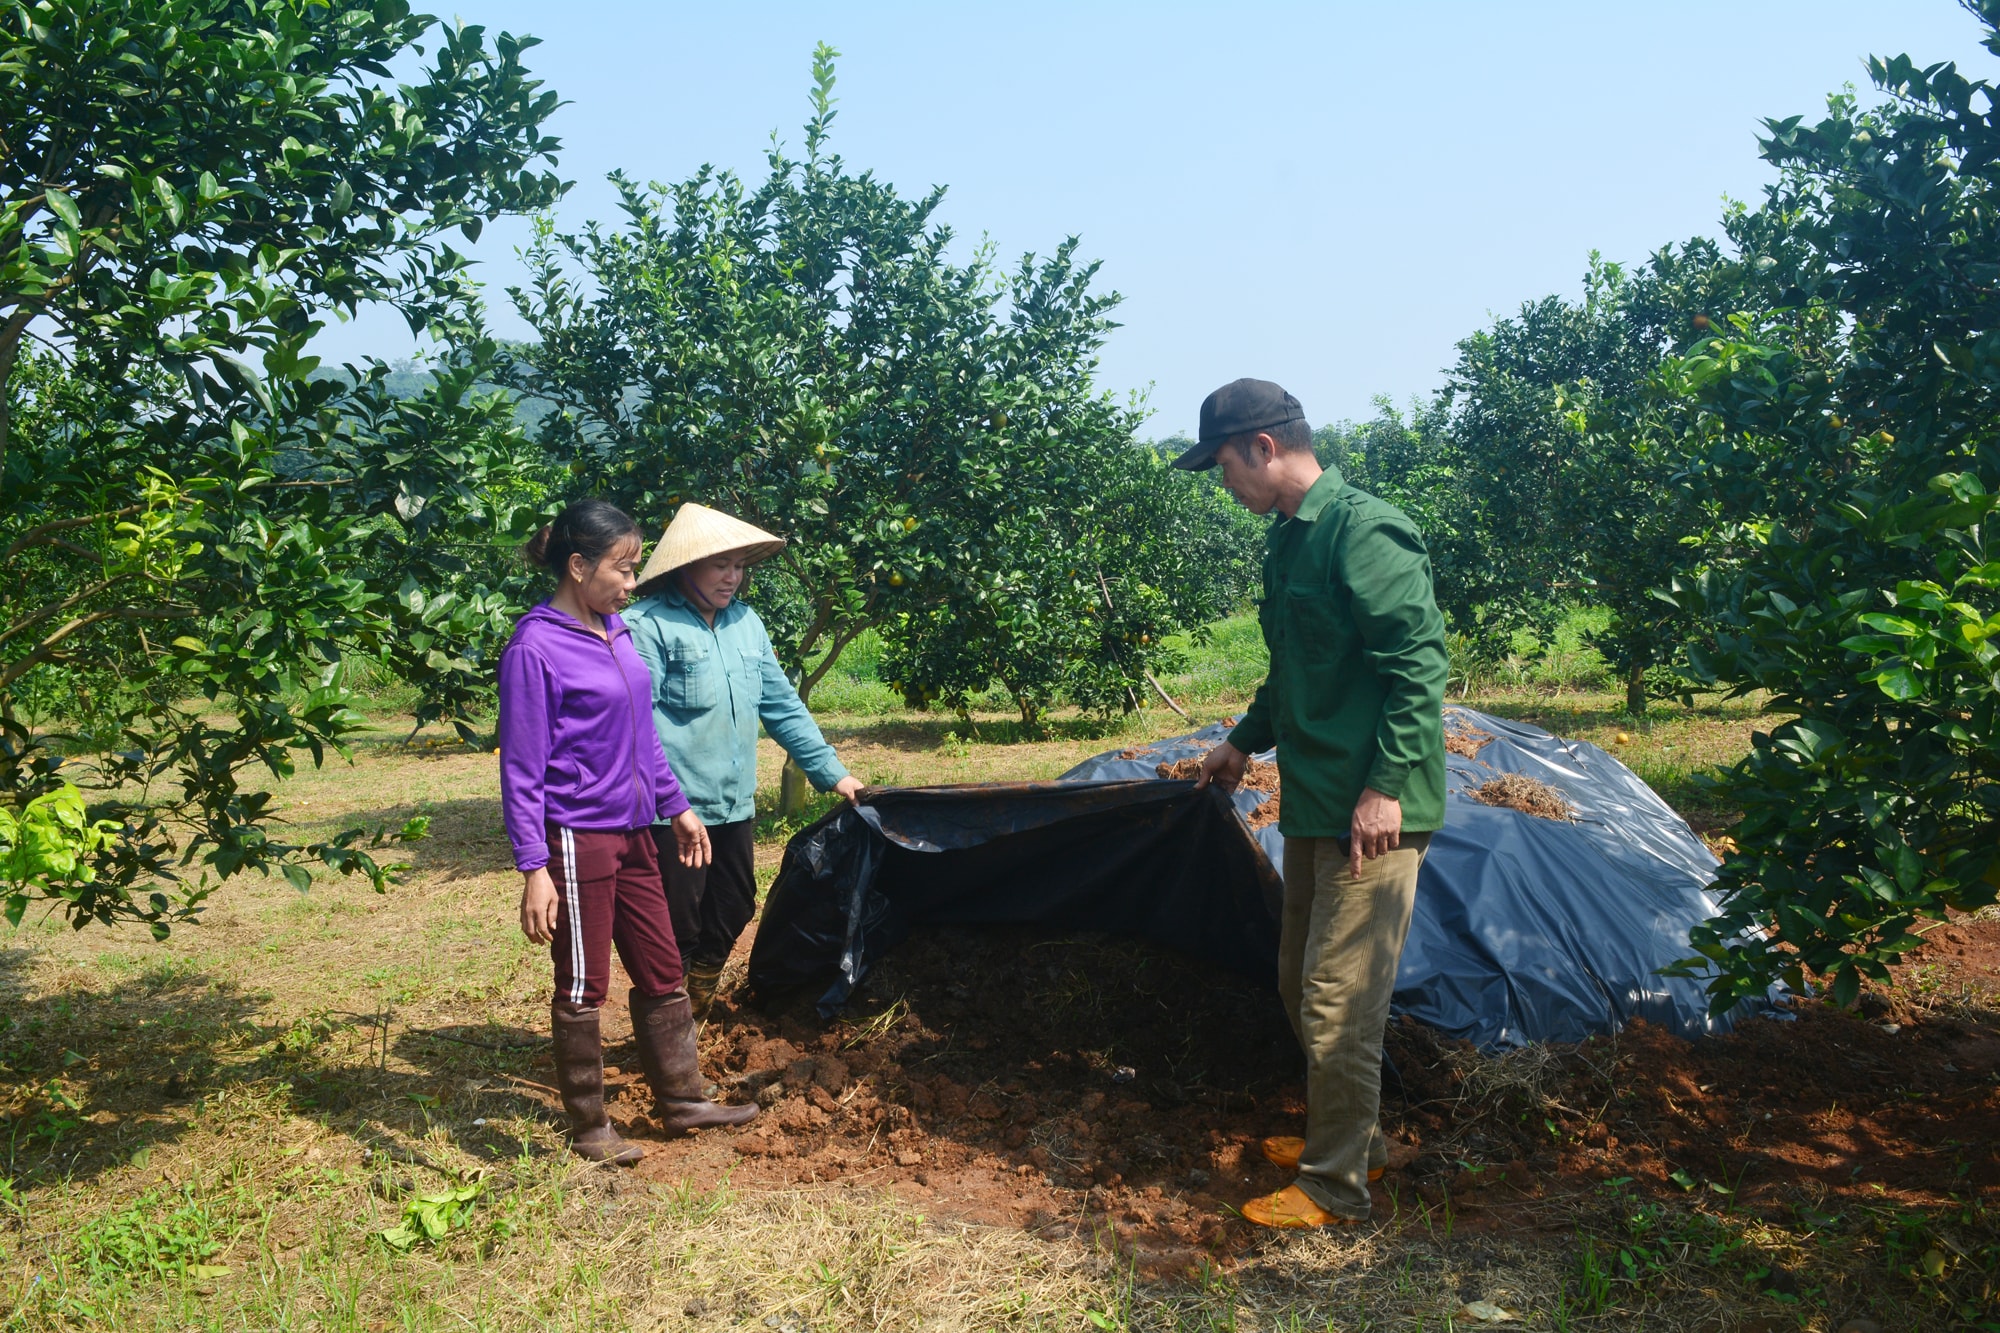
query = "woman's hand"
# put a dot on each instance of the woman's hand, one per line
(851, 788)
(692, 839)
(538, 906)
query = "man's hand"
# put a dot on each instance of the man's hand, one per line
(538, 906)
(1223, 766)
(691, 838)
(1377, 827)
(851, 788)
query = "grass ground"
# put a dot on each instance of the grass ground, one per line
(218, 1131)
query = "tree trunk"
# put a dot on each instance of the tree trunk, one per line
(792, 784)
(792, 789)
(1635, 689)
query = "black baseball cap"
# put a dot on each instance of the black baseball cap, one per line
(1238, 408)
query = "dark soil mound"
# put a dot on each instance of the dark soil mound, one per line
(1013, 1077)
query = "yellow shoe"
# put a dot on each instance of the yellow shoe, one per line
(1282, 1150)
(1291, 1210)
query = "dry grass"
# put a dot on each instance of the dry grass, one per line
(1461, 737)
(263, 1093)
(1531, 796)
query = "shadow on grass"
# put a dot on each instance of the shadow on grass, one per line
(94, 1077)
(94, 1080)
(467, 837)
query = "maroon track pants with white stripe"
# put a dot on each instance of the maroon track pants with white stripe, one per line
(608, 892)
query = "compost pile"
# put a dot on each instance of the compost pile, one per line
(1012, 1076)
(1547, 917)
(1259, 775)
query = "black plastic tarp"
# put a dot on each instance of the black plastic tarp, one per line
(1525, 929)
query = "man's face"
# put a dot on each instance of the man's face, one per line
(1246, 473)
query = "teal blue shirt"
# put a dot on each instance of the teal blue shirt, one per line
(711, 687)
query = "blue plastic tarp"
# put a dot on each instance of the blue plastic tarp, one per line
(1525, 929)
(1529, 929)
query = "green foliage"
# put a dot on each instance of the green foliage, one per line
(1227, 661)
(157, 1236)
(49, 848)
(1096, 586)
(1545, 474)
(432, 1217)
(1552, 464)
(803, 353)
(192, 522)
(1848, 439)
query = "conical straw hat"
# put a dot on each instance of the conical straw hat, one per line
(699, 532)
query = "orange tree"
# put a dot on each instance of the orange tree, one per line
(806, 353)
(1558, 470)
(192, 521)
(1090, 592)
(1851, 438)
(1544, 474)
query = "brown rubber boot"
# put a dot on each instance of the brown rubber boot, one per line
(663, 1026)
(580, 1077)
(702, 981)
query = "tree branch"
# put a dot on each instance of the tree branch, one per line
(1165, 697)
(47, 650)
(840, 641)
(821, 621)
(34, 535)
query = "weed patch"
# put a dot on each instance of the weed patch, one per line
(156, 1237)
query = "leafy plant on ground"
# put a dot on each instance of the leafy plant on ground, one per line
(431, 1217)
(157, 1236)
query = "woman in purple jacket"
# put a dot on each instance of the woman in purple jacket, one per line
(582, 780)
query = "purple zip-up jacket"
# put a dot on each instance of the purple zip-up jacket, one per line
(577, 744)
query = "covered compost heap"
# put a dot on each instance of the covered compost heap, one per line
(1527, 927)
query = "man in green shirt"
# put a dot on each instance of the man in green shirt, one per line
(1354, 704)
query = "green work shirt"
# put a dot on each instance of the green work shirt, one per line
(712, 685)
(1355, 696)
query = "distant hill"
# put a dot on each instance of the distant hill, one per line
(409, 379)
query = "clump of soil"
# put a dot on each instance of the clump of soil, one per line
(1462, 738)
(1531, 796)
(1258, 775)
(1011, 1077)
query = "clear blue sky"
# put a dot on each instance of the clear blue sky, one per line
(1326, 195)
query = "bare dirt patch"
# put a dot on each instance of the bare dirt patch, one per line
(1096, 1086)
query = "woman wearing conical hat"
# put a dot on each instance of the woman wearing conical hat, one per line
(715, 677)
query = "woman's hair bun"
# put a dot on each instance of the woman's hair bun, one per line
(536, 550)
(589, 528)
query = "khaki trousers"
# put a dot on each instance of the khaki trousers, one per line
(1337, 953)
